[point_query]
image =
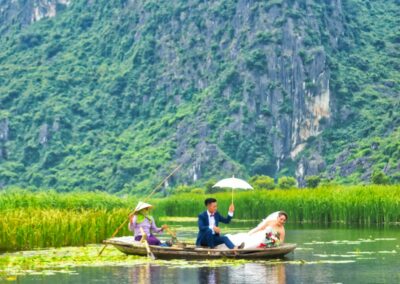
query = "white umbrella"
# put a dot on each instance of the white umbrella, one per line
(233, 183)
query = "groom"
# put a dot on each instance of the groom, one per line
(209, 232)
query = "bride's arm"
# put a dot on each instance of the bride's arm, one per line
(256, 229)
(282, 236)
(260, 227)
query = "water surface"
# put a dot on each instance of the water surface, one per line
(335, 254)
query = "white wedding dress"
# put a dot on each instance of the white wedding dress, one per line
(254, 240)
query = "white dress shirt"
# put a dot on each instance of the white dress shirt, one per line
(211, 220)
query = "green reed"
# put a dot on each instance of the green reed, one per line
(35, 228)
(43, 219)
(34, 220)
(17, 198)
(355, 204)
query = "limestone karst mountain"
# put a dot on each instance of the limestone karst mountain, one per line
(110, 95)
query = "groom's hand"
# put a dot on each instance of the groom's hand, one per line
(217, 230)
(232, 208)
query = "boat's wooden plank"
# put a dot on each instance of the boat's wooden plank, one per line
(192, 252)
(168, 248)
(206, 255)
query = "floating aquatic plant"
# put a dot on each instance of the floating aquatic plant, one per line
(64, 260)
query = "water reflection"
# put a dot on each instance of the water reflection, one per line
(141, 274)
(210, 275)
(150, 274)
(246, 273)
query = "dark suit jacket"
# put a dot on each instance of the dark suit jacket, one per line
(203, 224)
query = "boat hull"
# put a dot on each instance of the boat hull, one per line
(193, 252)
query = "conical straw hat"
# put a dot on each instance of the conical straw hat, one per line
(142, 205)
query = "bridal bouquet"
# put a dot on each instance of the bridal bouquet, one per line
(270, 241)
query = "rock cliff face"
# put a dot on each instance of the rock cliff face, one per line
(24, 13)
(281, 64)
(4, 132)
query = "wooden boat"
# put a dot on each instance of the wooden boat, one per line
(129, 246)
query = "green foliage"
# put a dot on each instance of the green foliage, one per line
(272, 3)
(286, 182)
(312, 181)
(305, 56)
(379, 152)
(23, 199)
(30, 40)
(263, 37)
(182, 189)
(361, 80)
(379, 177)
(106, 97)
(256, 60)
(209, 186)
(199, 191)
(262, 182)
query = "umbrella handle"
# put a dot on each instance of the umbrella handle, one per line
(232, 195)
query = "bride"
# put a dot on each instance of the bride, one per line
(268, 233)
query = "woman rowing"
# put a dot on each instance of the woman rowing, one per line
(142, 220)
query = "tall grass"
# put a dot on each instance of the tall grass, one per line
(17, 198)
(36, 228)
(33, 220)
(43, 219)
(355, 204)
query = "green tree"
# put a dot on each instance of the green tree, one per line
(286, 182)
(379, 177)
(312, 181)
(262, 182)
(197, 191)
(182, 189)
(209, 186)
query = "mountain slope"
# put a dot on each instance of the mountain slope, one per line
(110, 95)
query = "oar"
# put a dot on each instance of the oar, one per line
(133, 212)
(169, 231)
(175, 240)
(172, 233)
(146, 244)
(113, 235)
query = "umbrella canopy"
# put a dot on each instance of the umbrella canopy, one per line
(234, 183)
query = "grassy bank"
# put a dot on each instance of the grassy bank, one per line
(33, 220)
